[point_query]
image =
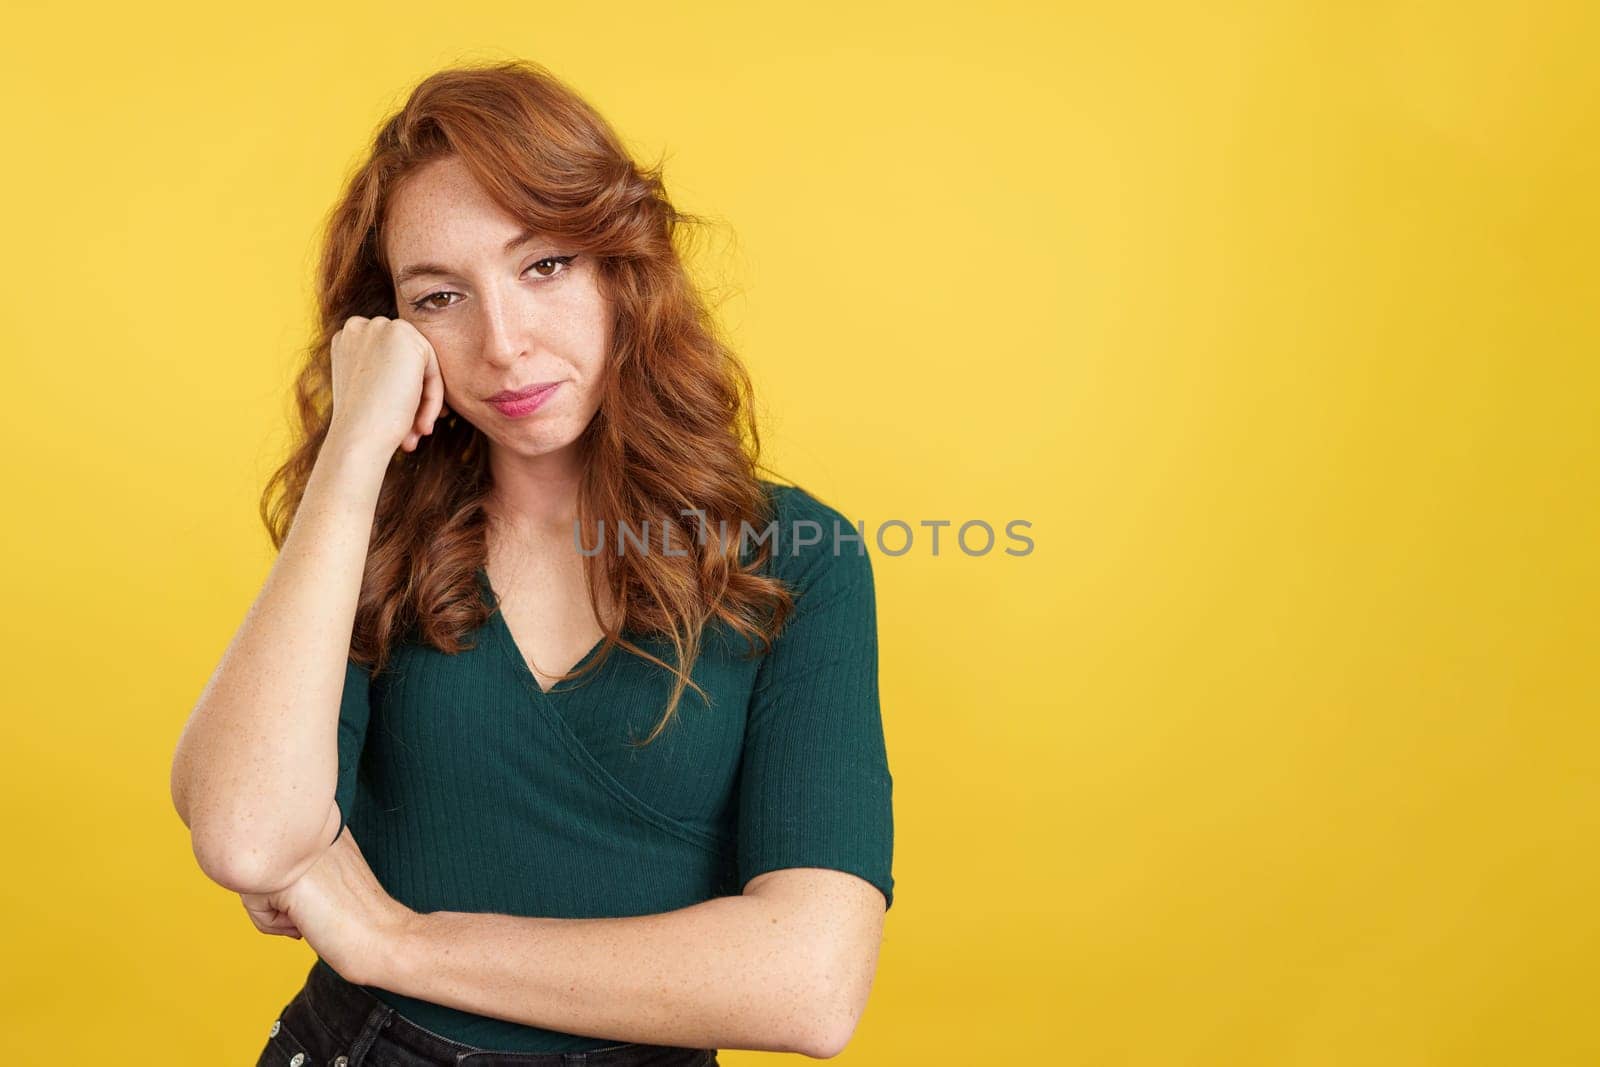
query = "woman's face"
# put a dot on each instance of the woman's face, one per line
(503, 310)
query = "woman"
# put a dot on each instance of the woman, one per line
(607, 773)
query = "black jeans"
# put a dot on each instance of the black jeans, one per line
(331, 1023)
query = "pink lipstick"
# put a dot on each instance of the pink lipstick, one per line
(516, 403)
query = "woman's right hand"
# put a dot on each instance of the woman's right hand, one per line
(387, 389)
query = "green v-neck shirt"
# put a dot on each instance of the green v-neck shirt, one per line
(470, 789)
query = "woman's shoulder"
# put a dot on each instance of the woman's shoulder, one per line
(794, 502)
(812, 540)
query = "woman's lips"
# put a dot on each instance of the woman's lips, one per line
(518, 405)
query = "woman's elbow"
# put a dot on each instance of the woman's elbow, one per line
(244, 867)
(826, 1044)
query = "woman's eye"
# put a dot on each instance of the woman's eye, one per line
(422, 304)
(563, 260)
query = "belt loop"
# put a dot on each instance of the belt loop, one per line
(378, 1020)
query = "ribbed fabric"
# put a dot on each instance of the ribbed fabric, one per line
(471, 790)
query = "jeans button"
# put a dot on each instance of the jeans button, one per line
(274, 1032)
(342, 1061)
(299, 1058)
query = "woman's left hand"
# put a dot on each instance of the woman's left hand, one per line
(341, 910)
(268, 919)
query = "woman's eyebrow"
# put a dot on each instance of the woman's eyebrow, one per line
(417, 270)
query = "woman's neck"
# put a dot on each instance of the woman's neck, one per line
(535, 496)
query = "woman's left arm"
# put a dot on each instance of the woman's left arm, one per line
(786, 967)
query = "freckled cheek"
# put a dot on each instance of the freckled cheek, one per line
(456, 371)
(457, 349)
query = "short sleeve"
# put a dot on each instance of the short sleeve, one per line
(815, 788)
(355, 710)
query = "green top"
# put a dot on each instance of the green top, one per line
(472, 790)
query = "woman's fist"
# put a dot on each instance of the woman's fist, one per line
(268, 919)
(387, 389)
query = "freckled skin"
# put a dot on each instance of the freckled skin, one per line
(499, 321)
(505, 320)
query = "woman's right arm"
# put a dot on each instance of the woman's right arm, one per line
(255, 768)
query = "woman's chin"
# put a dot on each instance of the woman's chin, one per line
(535, 442)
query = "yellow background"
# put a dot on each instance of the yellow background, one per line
(1277, 322)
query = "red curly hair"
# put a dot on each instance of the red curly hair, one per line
(675, 428)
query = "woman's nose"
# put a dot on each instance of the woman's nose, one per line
(503, 332)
